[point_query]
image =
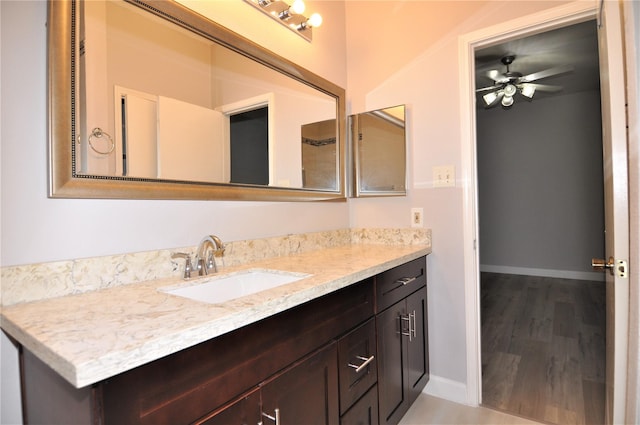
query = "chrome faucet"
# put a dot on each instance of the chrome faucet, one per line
(204, 266)
(188, 267)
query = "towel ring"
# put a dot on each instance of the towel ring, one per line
(98, 133)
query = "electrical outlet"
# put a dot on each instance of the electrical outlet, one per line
(444, 176)
(416, 217)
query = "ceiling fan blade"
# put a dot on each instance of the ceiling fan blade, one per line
(546, 87)
(483, 89)
(545, 73)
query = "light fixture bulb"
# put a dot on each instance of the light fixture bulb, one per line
(507, 101)
(489, 98)
(315, 20)
(493, 74)
(509, 90)
(298, 7)
(527, 90)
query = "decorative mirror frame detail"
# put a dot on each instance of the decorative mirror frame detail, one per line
(65, 182)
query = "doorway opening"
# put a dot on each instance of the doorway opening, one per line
(541, 218)
(249, 146)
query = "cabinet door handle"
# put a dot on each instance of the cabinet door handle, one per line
(275, 417)
(407, 319)
(367, 360)
(412, 329)
(411, 320)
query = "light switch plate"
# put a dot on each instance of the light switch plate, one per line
(444, 176)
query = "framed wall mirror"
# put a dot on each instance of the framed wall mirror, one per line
(149, 100)
(378, 144)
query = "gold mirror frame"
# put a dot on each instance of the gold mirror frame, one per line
(65, 182)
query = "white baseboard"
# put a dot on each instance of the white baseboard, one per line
(447, 389)
(561, 274)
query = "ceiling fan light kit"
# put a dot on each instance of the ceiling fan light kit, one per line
(506, 85)
(527, 90)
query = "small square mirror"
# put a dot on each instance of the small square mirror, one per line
(378, 143)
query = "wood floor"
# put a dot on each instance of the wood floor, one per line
(430, 410)
(543, 347)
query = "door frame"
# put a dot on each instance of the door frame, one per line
(568, 14)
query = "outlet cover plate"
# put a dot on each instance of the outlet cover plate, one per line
(417, 219)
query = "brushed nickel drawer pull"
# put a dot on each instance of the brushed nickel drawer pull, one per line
(406, 280)
(363, 365)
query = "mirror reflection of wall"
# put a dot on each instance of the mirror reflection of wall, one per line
(319, 155)
(169, 101)
(379, 145)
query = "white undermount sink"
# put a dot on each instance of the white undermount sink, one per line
(220, 288)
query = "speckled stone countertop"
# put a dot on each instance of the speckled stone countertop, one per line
(95, 335)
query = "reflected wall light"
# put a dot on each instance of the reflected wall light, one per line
(290, 16)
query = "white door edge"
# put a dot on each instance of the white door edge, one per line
(547, 20)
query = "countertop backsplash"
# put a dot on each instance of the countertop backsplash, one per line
(33, 282)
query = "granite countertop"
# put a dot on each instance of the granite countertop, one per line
(89, 337)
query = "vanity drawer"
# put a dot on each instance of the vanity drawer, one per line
(357, 363)
(399, 282)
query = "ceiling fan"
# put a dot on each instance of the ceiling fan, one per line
(506, 85)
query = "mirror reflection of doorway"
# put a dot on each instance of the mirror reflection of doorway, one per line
(249, 139)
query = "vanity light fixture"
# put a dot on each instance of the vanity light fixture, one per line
(290, 16)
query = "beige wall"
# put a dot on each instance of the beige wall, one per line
(415, 62)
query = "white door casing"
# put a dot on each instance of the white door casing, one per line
(544, 21)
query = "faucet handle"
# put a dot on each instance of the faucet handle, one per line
(188, 267)
(211, 263)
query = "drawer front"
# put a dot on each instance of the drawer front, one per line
(357, 359)
(244, 410)
(399, 282)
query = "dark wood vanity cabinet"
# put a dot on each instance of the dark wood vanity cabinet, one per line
(245, 410)
(340, 358)
(305, 393)
(403, 355)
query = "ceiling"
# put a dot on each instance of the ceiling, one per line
(575, 45)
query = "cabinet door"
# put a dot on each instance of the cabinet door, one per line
(364, 411)
(392, 380)
(418, 346)
(306, 393)
(243, 411)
